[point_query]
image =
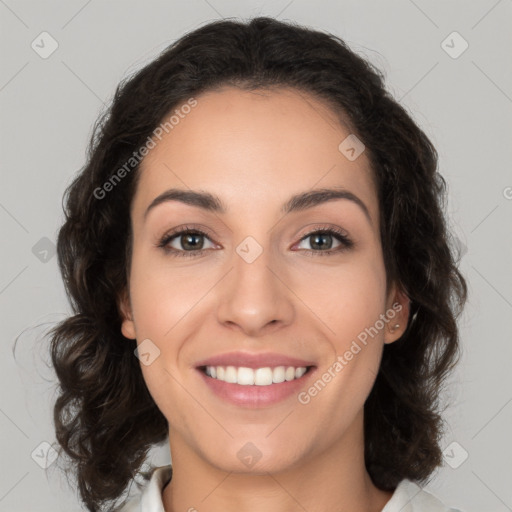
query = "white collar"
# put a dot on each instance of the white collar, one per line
(408, 496)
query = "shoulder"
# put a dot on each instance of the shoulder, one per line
(150, 499)
(410, 497)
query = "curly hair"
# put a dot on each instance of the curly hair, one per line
(105, 419)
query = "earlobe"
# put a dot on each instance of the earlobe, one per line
(393, 328)
(128, 329)
(397, 324)
(127, 323)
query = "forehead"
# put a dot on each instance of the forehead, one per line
(253, 147)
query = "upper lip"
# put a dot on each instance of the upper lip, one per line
(260, 360)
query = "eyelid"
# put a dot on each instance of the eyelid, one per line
(340, 234)
(181, 230)
(323, 227)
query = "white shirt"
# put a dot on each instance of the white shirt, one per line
(408, 497)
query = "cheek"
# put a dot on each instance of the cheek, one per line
(347, 299)
(166, 303)
(163, 294)
(352, 313)
(357, 332)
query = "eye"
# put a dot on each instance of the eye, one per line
(323, 238)
(190, 240)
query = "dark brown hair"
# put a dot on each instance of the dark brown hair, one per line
(105, 419)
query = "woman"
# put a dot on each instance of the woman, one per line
(260, 271)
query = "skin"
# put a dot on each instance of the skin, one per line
(245, 147)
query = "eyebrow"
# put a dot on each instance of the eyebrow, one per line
(296, 203)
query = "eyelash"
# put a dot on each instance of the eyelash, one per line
(338, 234)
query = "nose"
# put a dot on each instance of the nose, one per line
(254, 297)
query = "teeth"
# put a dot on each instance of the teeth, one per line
(230, 375)
(299, 372)
(290, 373)
(259, 376)
(278, 374)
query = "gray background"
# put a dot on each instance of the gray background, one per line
(48, 107)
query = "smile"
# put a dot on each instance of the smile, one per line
(265, 376)
(255, 388)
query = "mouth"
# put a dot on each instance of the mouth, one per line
(255, 380)
(255, 388)
(263, 376)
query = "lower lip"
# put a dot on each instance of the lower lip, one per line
(256, 396)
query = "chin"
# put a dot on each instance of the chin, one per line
(258, 456)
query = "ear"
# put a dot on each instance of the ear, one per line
(127, 323)
(397, 314)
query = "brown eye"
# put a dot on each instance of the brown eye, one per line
(189, 242)
(322, 241)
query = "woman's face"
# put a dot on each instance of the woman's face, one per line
(262, 289)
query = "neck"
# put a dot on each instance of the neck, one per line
(332, 480)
